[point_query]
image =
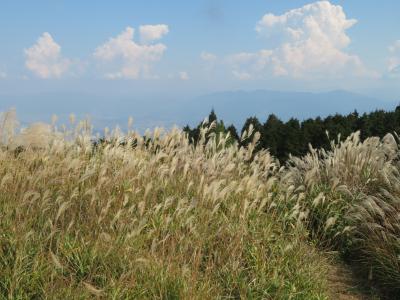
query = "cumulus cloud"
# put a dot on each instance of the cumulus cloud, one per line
(127, 58)
(150, 33)
(208, 57)
(44, 58)
(241, 75)
(309, 41)
(394, 59)
(245, 64)
(209, 60)
(183, 75)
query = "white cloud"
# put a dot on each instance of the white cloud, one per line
(134, 60)
(246, 63)
(208, 57)
(395, 47)
(309, 41)
(150, 33)
(183, 75)
(44, 58)
(241, 75)
(3, 75)
(209, 60)
(394, 59)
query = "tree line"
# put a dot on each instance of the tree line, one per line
(294, 136)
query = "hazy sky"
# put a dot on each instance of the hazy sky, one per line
(176, 47)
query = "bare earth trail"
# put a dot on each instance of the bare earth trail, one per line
(344, 285)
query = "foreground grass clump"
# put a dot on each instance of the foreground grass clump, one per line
(351, 199)
(163, 219)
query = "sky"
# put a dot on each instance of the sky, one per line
(175, 48)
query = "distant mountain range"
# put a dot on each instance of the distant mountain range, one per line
(231, 106)
(235, 106)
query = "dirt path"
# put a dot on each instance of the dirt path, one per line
(343, 284)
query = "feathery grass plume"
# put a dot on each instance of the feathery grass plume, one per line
(95, 291)
(37, 135)
(352, 204)
(8, 126)
(375, 237)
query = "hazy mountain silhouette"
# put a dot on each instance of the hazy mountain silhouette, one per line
(231, 106)
(235, 106)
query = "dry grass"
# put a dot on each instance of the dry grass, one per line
(157, 217)
(352, 203)
(163, 219)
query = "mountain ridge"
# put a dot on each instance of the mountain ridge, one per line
(234, 107)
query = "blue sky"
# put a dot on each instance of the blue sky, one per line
(197, 47)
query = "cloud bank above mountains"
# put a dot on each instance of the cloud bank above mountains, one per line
(121, 56)
(135, 59)
(44, 58)
(394, 59)
(308, 42)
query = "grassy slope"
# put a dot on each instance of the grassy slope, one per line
(169, 220)
(178, 222)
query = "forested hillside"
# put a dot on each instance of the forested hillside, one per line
(294, 136)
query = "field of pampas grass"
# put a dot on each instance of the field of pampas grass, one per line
(157, 217)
